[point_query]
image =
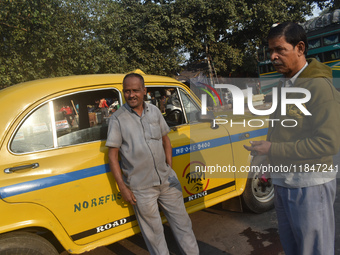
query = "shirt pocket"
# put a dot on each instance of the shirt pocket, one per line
(155, 130)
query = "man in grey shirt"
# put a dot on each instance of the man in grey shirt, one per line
(138, 132)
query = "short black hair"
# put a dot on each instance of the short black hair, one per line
(292, 32)
(137, 75)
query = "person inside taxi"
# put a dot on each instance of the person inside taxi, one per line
(138, 132)
(103, 109)
(68, 114)
(304, 200)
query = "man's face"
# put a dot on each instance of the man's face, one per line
(134, 92)
(286, 58)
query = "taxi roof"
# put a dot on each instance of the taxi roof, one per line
(15, 99)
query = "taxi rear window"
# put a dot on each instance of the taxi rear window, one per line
(69, 120)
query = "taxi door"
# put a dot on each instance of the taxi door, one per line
(201, 154)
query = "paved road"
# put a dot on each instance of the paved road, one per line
(221, 232)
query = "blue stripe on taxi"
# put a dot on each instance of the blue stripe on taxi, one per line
(47, 182)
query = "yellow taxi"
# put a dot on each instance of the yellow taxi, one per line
(55, 181)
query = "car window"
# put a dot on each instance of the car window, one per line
(168, 101)
(78, 118)
(35, 133)
(83, 117)
(190, 107)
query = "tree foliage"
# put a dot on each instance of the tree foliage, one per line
(41, 39)
(48, 38)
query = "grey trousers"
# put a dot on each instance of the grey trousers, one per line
(168, 196)
(306, 219)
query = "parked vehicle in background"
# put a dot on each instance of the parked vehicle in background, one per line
(323, 34)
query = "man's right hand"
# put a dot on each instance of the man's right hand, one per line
(128, 195)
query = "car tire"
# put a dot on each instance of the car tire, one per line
(258, 195)
(18, 243)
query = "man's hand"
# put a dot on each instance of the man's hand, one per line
(259, 147)
(167, 149)
(128, 195)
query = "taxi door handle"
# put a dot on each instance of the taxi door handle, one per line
(13, 169)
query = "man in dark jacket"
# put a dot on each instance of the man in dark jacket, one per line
(304, 195)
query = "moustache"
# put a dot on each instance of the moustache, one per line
(276, 62)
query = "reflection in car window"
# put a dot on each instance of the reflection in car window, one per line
(79, 118)
(190, 108)
(168, 102)
(35, 133)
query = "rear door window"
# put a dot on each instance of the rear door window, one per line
(83, 117)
